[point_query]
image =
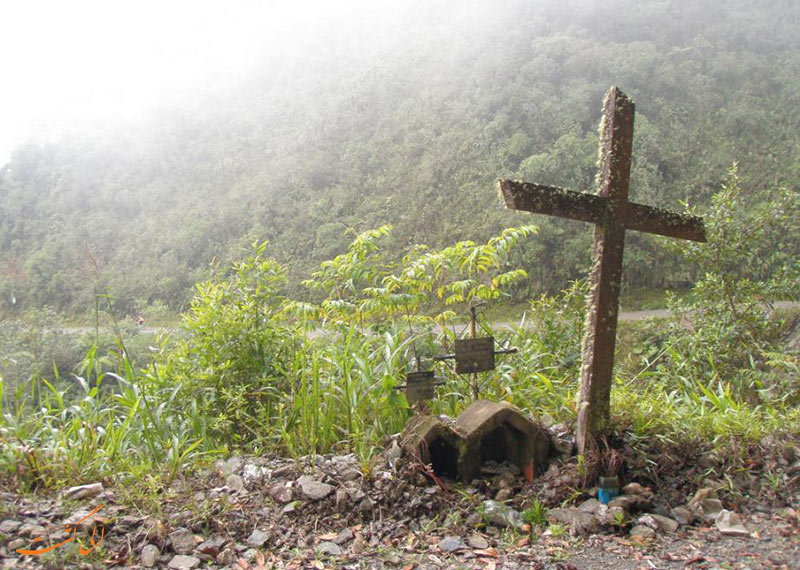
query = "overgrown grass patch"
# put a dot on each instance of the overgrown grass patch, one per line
(246, 375)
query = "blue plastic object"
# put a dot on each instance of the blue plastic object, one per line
(608, 489)
(605, 495)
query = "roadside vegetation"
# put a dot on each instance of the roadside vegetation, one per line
(367, 134)
(258, 371)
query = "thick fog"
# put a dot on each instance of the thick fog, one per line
(73, 66)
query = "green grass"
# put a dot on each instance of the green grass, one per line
(137, 410)
(123, 427)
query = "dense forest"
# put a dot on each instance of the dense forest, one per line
(324, 225)
(411, 125)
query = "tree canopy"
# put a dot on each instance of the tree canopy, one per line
(412, 130)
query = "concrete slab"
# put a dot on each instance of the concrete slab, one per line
(485, 431)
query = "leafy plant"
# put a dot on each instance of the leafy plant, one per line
(234, 360)
(725, 330)
(536, 514)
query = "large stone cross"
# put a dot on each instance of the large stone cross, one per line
(612, 214)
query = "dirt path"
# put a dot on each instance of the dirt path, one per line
(662, 313)
(503, 325)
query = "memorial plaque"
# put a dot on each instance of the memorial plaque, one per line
(474, 355)
(419, 386)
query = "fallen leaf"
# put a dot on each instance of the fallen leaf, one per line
(328, 536)
(490, 552)
(523, 542)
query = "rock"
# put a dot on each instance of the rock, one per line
(257, 538)
(349, 474)
(234, 482)
(709, 509)
(342, 499)
(9, 527)
(701, 495)
(83, 491)
(580, 522)
(643, 532)
(614, 516)
(129, 521)
(355, 491)
(281, 493)
(252, 474)
(150, 554)
(477, 541)
(182, 562)
(86, 520)
(683, 515)
(634, 489)
(232, 465)
(452, 544)
(344, 536)
(313, 489)
(212, 546)
(503, 495)
(659, 523)
(182, 541)
(504, 480)
(730, 523)
(501, 515)
(226, 557)
(290, 507)
(328, 548)
(561, 439)
(590, 506)
(31, 530)
(365, 506)
(18, 543)
(630, 503)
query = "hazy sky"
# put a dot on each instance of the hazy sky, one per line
(71, 64)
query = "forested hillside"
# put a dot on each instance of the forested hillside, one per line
(411, 125)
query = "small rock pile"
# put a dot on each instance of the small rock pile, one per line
(327, 512)
(634, 509)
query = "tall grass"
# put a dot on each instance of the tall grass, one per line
(341, 397)
(246, 374)
(61, 431)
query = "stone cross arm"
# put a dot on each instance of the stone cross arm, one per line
(555, 201)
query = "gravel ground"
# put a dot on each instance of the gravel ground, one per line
(325, 512)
